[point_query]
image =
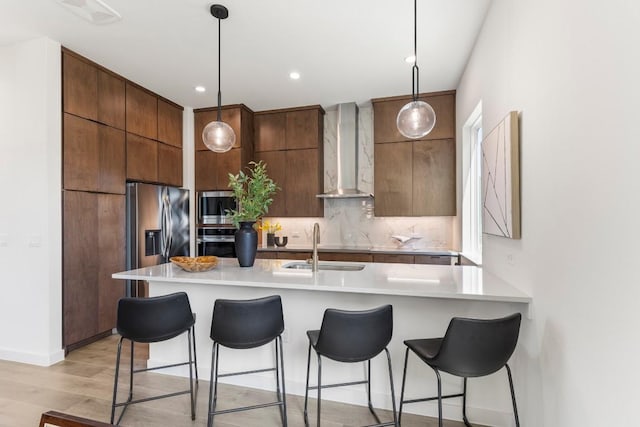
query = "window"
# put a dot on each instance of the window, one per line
(472, 187)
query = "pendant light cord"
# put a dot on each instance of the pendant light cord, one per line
(415, 72)
(219, 93)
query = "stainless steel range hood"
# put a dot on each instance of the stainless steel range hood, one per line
(346, 155)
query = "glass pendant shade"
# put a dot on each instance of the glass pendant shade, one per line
(218, 137)
(416, 119)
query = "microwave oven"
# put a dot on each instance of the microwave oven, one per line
(213, 206)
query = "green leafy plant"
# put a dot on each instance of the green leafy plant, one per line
(253, 191)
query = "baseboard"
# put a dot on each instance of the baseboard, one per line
(31, 358)
(354, 395)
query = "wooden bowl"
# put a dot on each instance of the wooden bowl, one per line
(195, 265)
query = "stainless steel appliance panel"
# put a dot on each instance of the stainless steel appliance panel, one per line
(157, 225)
(213, 206)
(217, 241)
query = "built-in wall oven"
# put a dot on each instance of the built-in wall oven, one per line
(213, 206)
(216, 240)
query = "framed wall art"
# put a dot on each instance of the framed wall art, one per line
(501, 179)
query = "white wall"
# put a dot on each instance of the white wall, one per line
(30, 211)
(571, 68)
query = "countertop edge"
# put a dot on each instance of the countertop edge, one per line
(483, 287)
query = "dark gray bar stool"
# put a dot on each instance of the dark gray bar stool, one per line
(352, 336)
(149, 320)
(469, 348)
(243, 324)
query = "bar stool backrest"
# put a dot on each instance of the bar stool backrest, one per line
(475, 347)
(154, 319)
(247, 324)
(355, 336)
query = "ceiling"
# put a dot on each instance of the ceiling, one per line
(345, 51)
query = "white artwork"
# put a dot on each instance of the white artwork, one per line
(501, 179)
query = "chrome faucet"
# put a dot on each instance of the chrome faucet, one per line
(316, 239)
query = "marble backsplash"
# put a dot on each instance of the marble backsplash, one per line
(350, 222)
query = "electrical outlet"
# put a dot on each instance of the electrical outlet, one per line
(511, 259)
(4, 240)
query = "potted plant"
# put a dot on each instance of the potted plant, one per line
(253, 191)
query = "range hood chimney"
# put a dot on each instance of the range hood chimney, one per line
(346, 155)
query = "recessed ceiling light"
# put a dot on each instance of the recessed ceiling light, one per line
(94, 11)
(200, 89)
(410, 59)
(294, 75)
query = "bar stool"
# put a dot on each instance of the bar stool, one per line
(244, 324)
(352, 336)
(149, 320)
(469, 348)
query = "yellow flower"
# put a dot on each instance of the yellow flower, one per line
(270, 228)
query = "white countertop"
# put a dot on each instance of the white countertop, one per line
(419, 280)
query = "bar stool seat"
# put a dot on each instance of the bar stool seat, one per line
(245, 324)
(351, 337)
(150, 320)
(470, 348)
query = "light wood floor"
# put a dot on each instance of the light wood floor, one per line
(82, 385)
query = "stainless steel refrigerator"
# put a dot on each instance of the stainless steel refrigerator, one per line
(157, 227)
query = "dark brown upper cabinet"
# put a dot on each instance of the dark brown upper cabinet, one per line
(386, 110)
(111, 100)
(93, 156)
(169, 165)
(79, 87)
(142, 159)
(91, 92)
(415, 177)
(290, 142)
(169, 123)
(142, 112)
(270, 131)
(212, 169)
(238, 116)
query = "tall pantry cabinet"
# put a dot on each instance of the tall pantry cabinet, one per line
(102, 126)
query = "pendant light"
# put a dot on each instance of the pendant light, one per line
(417, 118)
(217, 135)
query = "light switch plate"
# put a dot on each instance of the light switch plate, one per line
(35, 241)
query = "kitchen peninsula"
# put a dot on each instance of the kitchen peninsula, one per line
(424, 298)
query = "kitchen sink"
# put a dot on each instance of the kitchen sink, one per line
(324, 266)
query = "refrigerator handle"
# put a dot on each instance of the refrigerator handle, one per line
(165, 230)
(169, 227)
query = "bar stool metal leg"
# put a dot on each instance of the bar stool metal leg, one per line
(393, 394)
(369, 392)
(115, 382)
(283, 408)
(195, 354)
(464, 403)
(193, 402)
(131, 372)
(439, 397)
(319, 386)
(513, 396)
(213, 383)
(306, 390)
(404, 378)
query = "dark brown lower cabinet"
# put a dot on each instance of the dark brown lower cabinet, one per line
(403, 259)
(362, 257)
(93, 249)
(346, 256)
(294, 255)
